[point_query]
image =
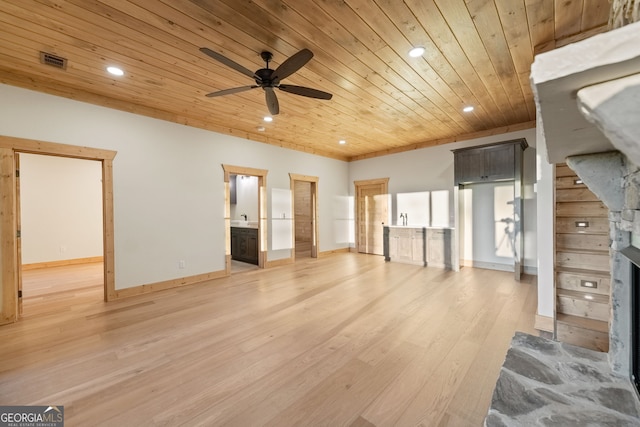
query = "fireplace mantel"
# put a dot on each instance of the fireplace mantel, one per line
(572, 126)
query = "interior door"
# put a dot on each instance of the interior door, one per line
(303, 212)
(372, 212)
(305, 201)
(18, 236)
(314, 220)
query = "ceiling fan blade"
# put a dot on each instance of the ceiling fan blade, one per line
(272, 101)
(230, 91)
(305, 91)
(229, 63)
(291, 65)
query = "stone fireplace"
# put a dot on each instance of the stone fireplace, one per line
(588, 101)
(588, 96)
(544, 382)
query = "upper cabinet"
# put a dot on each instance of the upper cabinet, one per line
(487, 163)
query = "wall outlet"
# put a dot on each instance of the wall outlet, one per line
(63, 249)
(181, 264)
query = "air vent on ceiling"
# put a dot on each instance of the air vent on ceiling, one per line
(53, 60)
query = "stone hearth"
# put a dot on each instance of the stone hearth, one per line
(547, 383)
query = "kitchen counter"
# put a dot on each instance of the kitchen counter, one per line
(420, 245)
(238, 223)
(434, 227)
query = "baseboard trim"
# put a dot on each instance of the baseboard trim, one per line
(334, 251)
(544, 323)
(168, 284)
(497, 266)
(62, 262)
(279, 262)
(487, 265)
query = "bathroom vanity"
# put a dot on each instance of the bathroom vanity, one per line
(244, 241)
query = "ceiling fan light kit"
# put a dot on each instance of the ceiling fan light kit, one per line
(269, 79)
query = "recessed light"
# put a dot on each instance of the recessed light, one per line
(115, 71)
(416, 52)
(342, 142)
(468, 109)
(261, 128)
(268, 119)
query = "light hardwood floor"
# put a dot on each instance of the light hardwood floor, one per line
(344, 340)
(242, 267)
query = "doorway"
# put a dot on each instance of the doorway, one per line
(10, 253)
(252, 231)
(244, 224)
(372, 207)
(59, 203)
(305, 211)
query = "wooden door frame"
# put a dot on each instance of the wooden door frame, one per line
(19, 238)
(9, 258)
(358, 186)
(261, 174)
(313, 180)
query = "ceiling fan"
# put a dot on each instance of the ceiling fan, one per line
(269, 79)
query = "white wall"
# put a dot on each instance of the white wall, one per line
(246, 198)
(431, 169)
(168, 182)
(61, 208)
(545, 228)
(488, 236)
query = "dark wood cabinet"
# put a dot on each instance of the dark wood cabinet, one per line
(469, 166)
(244, 244)
(499, 162)
(488, 163)
(494, 163)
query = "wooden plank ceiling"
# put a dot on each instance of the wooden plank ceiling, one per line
(478, 53)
